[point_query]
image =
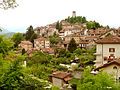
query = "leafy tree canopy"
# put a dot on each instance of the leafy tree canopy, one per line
(5, 45)
(101, 81)
(92, 25)
(78, 19)
(17, 38)
(30, 34)
(55, 39)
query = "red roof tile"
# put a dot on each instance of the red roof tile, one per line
(62, 75)
(107, 64)
(109, 40)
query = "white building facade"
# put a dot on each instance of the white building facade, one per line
(107, 49)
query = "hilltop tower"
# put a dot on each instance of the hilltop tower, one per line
(74, 14)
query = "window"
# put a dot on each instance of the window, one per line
(114, 67)
(111, 49)
(105, 58)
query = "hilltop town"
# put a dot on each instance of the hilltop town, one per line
(58, 35)
(66, 55)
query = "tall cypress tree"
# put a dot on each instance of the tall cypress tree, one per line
(72, 45)
(59, 25)
(30, 34)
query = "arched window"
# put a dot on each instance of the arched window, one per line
(114, 67)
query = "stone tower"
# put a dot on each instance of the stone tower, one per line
(74, 14)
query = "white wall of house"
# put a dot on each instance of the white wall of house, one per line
(67, 32)
(102, 50)
(47, 43)
(61, 35)
(111, 70)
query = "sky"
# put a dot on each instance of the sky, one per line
(43, 12)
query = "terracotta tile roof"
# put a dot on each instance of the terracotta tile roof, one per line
(109, 40)
(62, 75)
(26, 42)
(83, 42)
(73, 35)
(98, 31)
(91, 37)
(40, 39)
(66, 42)
(107, 64)
(48, 50)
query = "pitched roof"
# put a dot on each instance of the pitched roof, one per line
(26, 42)
(40, 39)
(107, 64)
(62, 75)
(48, 50)
(83, 42)
(109, 40)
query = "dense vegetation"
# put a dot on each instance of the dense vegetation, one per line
(39, 66)
(78, 19)
(14, 75)
(101, 81)
(82, 20)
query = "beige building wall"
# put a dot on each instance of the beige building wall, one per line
(102, 50)
(47, 44)
(111, 70)
(26, 46)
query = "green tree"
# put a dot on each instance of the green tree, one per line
(13, 79)
(17, 38)
(55, 39)
(72, 45)
(77, 19)
(101, 81)
(30, 34)
(39, 58)
(63, 53)
(59, 26)
(92, 25)
(5, 45)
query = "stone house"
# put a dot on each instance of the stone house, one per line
(112, 68)
(40, 30)
(110, 32)
(41, 43)
(60, 79)
(51, 31)
(75, 36)
(97, 32)
(27, 45)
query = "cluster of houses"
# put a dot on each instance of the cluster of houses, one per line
(107, 42)
(40, 44)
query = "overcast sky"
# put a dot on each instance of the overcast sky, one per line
(43, 12)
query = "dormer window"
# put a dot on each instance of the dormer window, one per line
(111, 49)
